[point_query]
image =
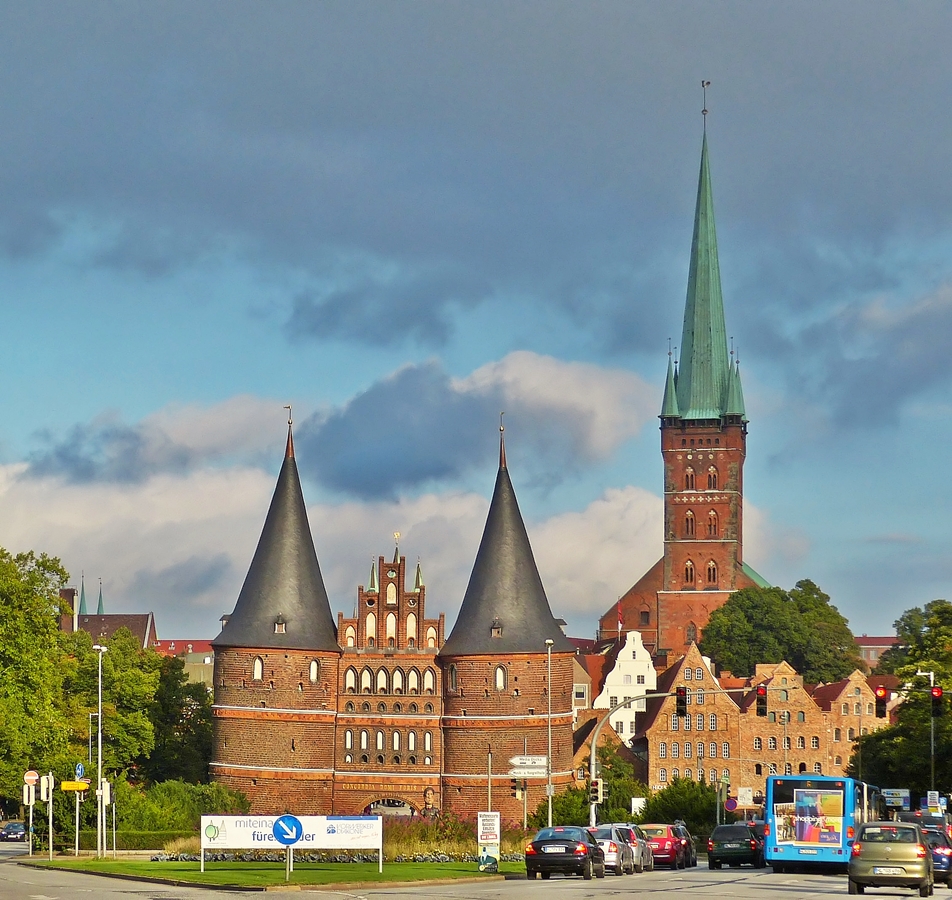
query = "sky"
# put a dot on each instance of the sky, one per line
(402, 218)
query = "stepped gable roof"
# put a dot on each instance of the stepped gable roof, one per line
(283, 603)
(654, 706)
(704, 368)
(504, 609)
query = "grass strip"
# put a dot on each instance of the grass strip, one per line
(260, 875)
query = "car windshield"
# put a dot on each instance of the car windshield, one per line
(604, 834)
(559, 834)
(655, 830)
(731, 833)
(936, 839)
(888, 834)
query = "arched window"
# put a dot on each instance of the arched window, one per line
(772, 768)
(395, 740)
(500, 678)
(427, 741)
(758, 743)
(726, 750)
(801, 716)
(366, 681)
(413, 682)
(688, 774)
(454, 679)
(690, 633)
(662, 775)
(837, 734)
(837, 760)
(348, 740)
(712, 572)
(675, 773)
(675, 750)
(371, 630)
(350, 636)
(712, 750)
(786, 742)
(712, 479)
(380, 740)
(431, 637)
(663, 750)
(689, 572)
(851, 734)
(857, 709)
(398, 681)
(391, 594)
(783, 696)
(801, 742)
(411, 741)
(689, 527)
(429, 682)
(758, 769)
(699, 723)
(845, 709)
(712, 722)
(689, 479)
(771, 743)
(257, 669)
(815, 742)
(383, 681)
(391, 628)
(364, 740)
(314, 671)
(869, 709)
(688, 749)
(712, 524)
(698, 674)
(411, 628)
(818, 768)
(700, 750)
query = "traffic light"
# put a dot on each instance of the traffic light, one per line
(681, 701)
(882, 695)
(596, 791)
(515, 786)
(936, 701)
(762, 700)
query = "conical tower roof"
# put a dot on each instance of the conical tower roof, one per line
(669, 404)
(504, 609)
(100, 609)
(704, 367)
(735, 394)
(283, 603)
(82, 597)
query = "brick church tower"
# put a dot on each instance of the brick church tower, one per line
(703, 446)
(496, 671)
(276, 668)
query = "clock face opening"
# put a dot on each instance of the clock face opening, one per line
(412, 601)
(391, 574)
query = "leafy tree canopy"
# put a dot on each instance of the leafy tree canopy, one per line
(693, 802)
(770, 625)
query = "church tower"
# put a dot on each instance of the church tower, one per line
(276, 669)
(497, 664)
(703, 446)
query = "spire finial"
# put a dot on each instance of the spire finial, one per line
(289, 452)
(669, 346)
(502, 443)
(704, 86)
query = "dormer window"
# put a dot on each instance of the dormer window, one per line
(280, 625)
(496, 628)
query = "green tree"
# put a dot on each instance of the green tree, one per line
(693, 802)
(181, 716)
(770, 625)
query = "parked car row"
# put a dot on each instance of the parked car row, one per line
(622, 848)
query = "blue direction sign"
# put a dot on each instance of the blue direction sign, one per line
(80, 771)
(287, 830)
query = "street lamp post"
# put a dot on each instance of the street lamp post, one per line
(548, 758)
(100, 809)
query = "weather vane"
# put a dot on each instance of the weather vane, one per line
(288, 408)
(704, 86)
(502, 427)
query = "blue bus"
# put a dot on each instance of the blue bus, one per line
(811, 819)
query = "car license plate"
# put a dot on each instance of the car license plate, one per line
(807, 851)
(553, 849)
(887, 870)
(731, 846)
(653, 845)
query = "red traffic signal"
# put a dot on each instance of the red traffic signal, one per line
(936, 701)
(762, 700)
(882, 696)
(937, 693)
(681, 701)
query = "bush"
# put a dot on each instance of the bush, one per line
(134, 840)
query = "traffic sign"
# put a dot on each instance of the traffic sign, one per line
(74, 785)
(80, 770)
(730, 804)
(287, 830)
(528, 772)
(528, 761)
(31, 777)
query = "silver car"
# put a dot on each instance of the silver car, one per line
(640, 849)
(619, 856)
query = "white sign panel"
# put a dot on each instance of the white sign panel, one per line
(298, 832)
(745, 796)
(488, 829)
(528, 761)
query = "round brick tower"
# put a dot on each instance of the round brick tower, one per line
(276, 669)
(506, 666)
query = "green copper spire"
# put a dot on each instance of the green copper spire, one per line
(99, 609)
(704, 368)
(82, 597)
(735, 395)
(669, 405)
(418, 581)
(372, 584)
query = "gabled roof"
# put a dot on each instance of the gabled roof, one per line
(704, 369)
(283, 602)
(504, 609)
(103, 627)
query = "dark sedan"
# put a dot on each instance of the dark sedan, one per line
(567, 849)
(13, 831)
(734, 845)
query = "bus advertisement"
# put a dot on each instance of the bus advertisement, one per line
(812, 819)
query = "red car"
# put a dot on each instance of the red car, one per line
(667, 846)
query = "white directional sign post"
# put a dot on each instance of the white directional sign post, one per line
(528, 762)
(30, 779)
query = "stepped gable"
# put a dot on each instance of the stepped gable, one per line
(504, 609)
(283, 603)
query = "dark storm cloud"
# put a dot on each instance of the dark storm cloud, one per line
(180, 584)
(408, 430)
(106, 450)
